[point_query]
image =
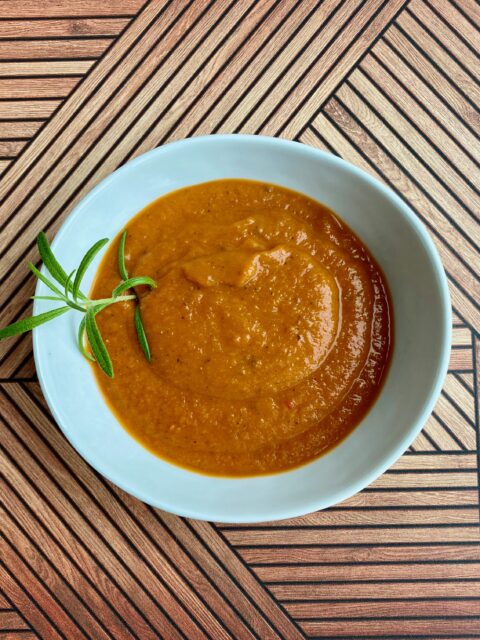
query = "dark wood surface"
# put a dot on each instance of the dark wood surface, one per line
(391, 86)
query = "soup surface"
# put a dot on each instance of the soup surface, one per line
(270, 329)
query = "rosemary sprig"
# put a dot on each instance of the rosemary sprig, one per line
(72, 298)
(127, 284)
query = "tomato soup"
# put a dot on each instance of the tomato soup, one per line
(270, 329)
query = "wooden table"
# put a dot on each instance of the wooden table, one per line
(390, 86)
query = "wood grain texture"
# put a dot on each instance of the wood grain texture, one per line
(45, 53)
(391, 86)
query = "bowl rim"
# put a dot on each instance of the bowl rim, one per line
(417, 422)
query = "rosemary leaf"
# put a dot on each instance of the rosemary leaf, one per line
(142, 338)
(44, 279)
(96, 343)
(56, 270)
(121, 257)
(68, 286)
(129, 283)
(133, 282)
(27, 324)
(84, 264)
(68, 283)
(82, 330)
(81, 340)
(49, 260)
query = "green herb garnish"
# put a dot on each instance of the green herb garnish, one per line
(121, 257)
(73, 298)
(131, 282)
(142, 338)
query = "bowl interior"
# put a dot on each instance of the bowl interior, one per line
(421, 314)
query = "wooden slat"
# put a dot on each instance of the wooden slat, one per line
(421, 498)
(462, 397)
(11, 148)
(53, 8)
(392, 535)
(188, 76)
(462, 337)
(11, 620)
(393, 173)
(453, 194)
(371, 572)
(401, 517)
(22, 349)
(76, 567)
(447, 159)
(441, 438)
(36, 88)
(22, 574)
(469, 381)
(443, 461)
(452, 16)
(349, 610)
(52, 582)
(154, 590)
(45, 49)
(450, 414)
(461, 359)
(73, 27)
(447, 37)
(438, 438)
(18, 109)
(287, 95)
(45, 68)
(361, 628)
(415, 480)
(399, 56)
(405, 143)
(432, 73)
(34, 614)
(19, 129)
(117, 531)
(253, 54)
(248, 49)
(356, 556)
(392, 590)
(423, 443)
(348, 57)
(429, 41)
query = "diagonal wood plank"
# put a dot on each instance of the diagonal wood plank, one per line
(59, 8)
(320, 82)
(109, 539)
(347, 112)
(47, 57)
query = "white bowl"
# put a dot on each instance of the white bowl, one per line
(421, 313)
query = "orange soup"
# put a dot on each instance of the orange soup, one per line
(270, 329)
